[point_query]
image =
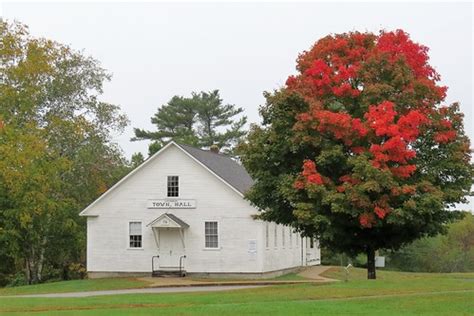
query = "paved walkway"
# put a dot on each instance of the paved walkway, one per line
(311, 275)
(315, 272)
(156, 290)
(178, 285)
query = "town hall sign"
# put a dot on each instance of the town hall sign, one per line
(171, 203)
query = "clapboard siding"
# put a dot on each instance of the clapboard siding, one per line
(107, 231)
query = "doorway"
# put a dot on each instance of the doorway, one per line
(171, 247)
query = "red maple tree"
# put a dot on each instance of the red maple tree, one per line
(340, 66)
(374, 156)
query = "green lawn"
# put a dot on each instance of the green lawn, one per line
(105, 284)
(76, 286)
(393, 293)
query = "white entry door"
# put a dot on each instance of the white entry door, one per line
(171, 248)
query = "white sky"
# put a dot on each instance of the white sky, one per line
(157, 50)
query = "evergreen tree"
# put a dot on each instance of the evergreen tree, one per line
(174, 120)
(213, 116)
(200, 120)
(136, 160)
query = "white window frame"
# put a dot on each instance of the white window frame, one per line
(283, 237)
(128, 235)
(168, 186)
(290, 242)
(275, 237)
(218, 235)
(267, 235)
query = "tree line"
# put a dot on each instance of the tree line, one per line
(443, 253)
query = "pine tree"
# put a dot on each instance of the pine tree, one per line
(200, 120)
(212, 116)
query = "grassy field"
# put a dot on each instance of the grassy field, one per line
(393, 293)
(76, 286)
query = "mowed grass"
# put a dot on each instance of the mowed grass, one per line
(76, 286)
(393, 293)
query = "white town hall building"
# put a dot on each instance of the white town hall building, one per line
(183, 209)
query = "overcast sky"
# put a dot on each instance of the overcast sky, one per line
(158, 50)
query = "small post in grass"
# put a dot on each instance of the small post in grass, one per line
(346, 274)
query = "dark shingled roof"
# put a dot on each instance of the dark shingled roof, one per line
(225, 167)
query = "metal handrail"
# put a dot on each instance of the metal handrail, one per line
(181, 265)
(153, 262)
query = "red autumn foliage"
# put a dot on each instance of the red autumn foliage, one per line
(445, 137)
(299, 185)
(315, 178)
(349, 179)
(380, 212)
(408, 189)
(348, 68)
(403, 171)
(367, 220)
(309, 168)
(399, 46)
(310, 174)
(340, 188)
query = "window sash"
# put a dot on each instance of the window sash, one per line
(283, 236)
(267, 235)
(173, 186)
(135, 234)
(291, 237)
(211, 233)
(275, 240)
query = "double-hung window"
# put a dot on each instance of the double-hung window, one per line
(135, 234)
(211, 233)
(173, 186)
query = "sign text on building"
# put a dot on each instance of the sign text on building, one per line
(171, 204)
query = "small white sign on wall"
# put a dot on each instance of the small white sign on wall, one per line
(166, 203)
(252, 249)
(252, 246)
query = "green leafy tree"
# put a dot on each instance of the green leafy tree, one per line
(453, 252)
(57, 154)
(31, 179)
(358, 148)
(201, 120)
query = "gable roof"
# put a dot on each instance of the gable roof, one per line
(224, 166)
(174, 218)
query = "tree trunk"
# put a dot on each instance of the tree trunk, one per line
(65, 274)
(371, 263)
(40, 265)
(28, 270)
